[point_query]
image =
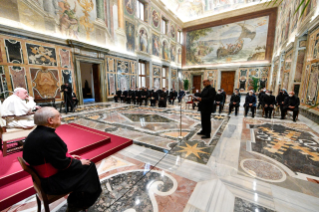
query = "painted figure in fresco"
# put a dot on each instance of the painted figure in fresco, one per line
(165, 51)
(155, 18)
(143, 40)
(173, 33)
(316, 48)
(129, 5)
(123, 84)
(112, 85)
(313, 83)
(87, 6)
(179, 58)
(130, 37)
(156, 83)
(69, 23)
(173, 53)
(156, 48)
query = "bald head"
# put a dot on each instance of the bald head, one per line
(206, 82)
(47, 116)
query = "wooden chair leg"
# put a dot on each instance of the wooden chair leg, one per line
(39, 203)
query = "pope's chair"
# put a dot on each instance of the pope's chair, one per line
(41, 195)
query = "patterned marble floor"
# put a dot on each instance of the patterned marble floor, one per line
(247, 165)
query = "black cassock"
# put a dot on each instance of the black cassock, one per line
(44, 145)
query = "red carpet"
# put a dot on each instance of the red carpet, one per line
(16, 185)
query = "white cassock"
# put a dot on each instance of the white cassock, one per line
(14, 105)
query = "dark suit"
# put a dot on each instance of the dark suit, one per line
(181, 94)
(162, 100)
(280, 99)
(117, 95)
(219, 99)
(67, 92)
(261, 96)
(269, 100)
(250, 100)
(205, 107)
(234, 99)
(291, 101)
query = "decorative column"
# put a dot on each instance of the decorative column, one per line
(120, 31)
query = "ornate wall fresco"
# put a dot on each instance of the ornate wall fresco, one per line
(41, 69)
(13, 51)
(165, 50)
(261, 73)
(157, 77)
(274, 76)
(212, 76)
(312, 90)
(173, 52)
(76, 19)
(41, 55)
(65, 58)
(299, 66)
(287, 68)
(243, 80)
(130, 36)
(45, 83)
(143, 40)
(121, 74)
(156, 20)
(234, 42)
(288, 22)
(4, 91)
(188, 10)
(156, 45)
(18, 77)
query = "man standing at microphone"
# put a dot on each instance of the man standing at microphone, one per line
(205, 106)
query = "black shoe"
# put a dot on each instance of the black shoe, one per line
(294, 120)
(282, 118)
(200, 133)
(205, 136)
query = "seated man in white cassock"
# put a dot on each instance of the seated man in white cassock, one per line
(17, 106)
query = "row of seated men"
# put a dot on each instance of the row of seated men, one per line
(284, 101)
(143, 95)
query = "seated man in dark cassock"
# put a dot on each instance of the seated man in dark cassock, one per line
(60, 172)
(234, 102)
(280, 99)
(74, 100)
(218, 101)
(261, 96)
(269, 103)
(67, 93)
(153, 98)
(224, 96)
(133, 97)
(146, 96)
(124, 95)
(250, 102)
(117, 95)
(129, 96)
(162, 99)
(291, 103)
(172, 96)
(143, 96)
(196, 101)
(159, 93)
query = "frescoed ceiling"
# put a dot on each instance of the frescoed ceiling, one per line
(188, 10)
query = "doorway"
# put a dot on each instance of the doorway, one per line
(228, 81)
(196, 83)
(91, 88)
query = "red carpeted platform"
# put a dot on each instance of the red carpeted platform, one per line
(16, 185)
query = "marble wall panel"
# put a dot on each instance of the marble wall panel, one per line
(41, 55)
(122, 67)
(299, 66)
(123, 82)
(18, 77)
(130, 35)
(4, 91)
(111, 84)
(14, 51)
(45, 83)
(156, 45)
(304, 84)
(312, 90)
(65, 58)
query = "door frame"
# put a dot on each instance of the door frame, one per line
(219, 83)
(201, 74)
(78, 79)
